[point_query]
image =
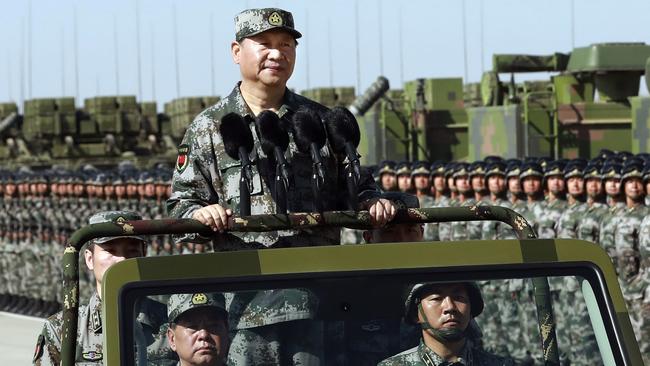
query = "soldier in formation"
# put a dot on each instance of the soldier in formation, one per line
(602, 200)
(41, 209)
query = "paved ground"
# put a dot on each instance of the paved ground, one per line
(19, 338)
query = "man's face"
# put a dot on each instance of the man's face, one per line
(120, 190)
(404, 182)
(160, 190)
(395, 234)
(594, 187)
(647, 187)
(446, 306)
(149, 190)
(200, 337)
(496, 183)
(451, 183)
(104, 255)
(267, 58)
(421, 182)
(109, 190)
(532, 185)
(79, 190)
(10, 189)
(478, 183)
(439, 183)
(575, 186)
(462, 183)
(555, 184)
(90, 189)
(634, 188)
(42, 188)
(612, 187)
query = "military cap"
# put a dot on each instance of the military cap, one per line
(100, 179)
(117, 180)
(131, 177)
(477, 168)
(255, 21)
(437, 168)
(624, 155)
(633, 160)
(611, 171)
(633, 170)
(387, 166)
(402, 200)
(177, 304)
(420, 168)
(555, 167)
(613, 160)
(403, 168)
(492, 159)
(606, 153)
(449, 169)
(461, 169)
(646, 173)
(574, 169)
(543, 161)
(530, 169)
(496, 168)
(77, 178)
(145, 177)
(513, 169)
(419, 290)
(117, 217)
(592, 171)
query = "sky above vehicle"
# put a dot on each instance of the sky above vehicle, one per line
(345, 43)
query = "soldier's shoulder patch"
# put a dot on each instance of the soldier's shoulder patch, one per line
(38, 352)
(183, 157)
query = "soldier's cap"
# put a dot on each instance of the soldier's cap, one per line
(492, 159)
(462, 169)
(553, 168)
(592, 171)
(449, 169)
(100, 179)
(118, 181)
(646, 173)
(145, 177)
(420, 168)
(613, 160)
(438, 168)
(117, 217)
(477, 168)
(402, 200)
(177, 304)
(543, 161)
(606, 153)
(624, 155)
(574, 169)
(633, 160)
(251, 22)
(611, 171)
(403, 168)
(631, 171)
(513, 169)
(419, 291)
(530, 169)
(386, 167)
(495, 168)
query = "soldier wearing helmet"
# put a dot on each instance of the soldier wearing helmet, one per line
(444, 311)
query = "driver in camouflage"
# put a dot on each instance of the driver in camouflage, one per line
(444, 312)
(275, 326)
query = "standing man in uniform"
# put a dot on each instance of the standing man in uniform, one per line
(422, 183)
(206, 188)
(612, 178)
(387, 176)
(404, 181)
(432, 230)
(554, 204)
(589, 225)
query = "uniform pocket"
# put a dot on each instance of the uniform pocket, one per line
(230, 170)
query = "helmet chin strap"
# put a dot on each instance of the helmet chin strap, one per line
(444, 335)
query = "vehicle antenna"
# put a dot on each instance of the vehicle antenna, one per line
(356, 41)
(76, 53)
(62, 61)
(117, 57)
(29, 49)
(153, 65)
(178, 81)
(137, 39)
(464, 42)
(381, 40)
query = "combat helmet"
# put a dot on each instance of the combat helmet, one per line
(412, 303)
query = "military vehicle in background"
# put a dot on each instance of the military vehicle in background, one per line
(108, 129)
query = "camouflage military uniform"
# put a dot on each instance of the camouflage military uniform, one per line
(589, 223)
(643, 313)
(205, 174)
(628, 241)
(608, 227)
(89, 351)
(548, 217)
(424, 356)
(434, 231)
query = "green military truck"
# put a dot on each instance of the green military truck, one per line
(355, 285)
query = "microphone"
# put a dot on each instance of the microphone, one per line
(238, 143)
(344, 136)
(274, 140)
(309, 136)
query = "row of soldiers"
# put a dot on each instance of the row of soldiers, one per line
(39, 210)
(603, 200)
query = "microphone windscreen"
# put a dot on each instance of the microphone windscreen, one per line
(342, 127)
(235, 133)
(272, 133)
(308, 129)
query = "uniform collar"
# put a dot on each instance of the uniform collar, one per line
(431, 358)
(289, 103)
